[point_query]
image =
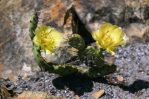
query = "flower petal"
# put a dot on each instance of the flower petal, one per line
(109, 37)
(47, 38)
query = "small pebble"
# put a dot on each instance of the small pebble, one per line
(98, 94)
(120, 78)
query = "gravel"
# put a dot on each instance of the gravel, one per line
(132, 62)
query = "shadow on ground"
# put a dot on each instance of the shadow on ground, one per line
(77, 83)
(81, 84)
(136, 86)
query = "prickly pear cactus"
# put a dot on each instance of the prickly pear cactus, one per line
(77, 42)
(68, 57)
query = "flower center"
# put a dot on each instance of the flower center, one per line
(107, 40)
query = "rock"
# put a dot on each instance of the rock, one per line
(92, 13)
(1, 68)
(77, 97)
(146, 34)
(4, 92)
(147, 97)
(35, 95)
(98, 94)
(16, 48)
(114, 11)
(53, 13)
(136, 31)
(120, 78)
(26, 71)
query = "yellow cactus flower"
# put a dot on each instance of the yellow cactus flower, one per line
(47, 38)
(109, 36)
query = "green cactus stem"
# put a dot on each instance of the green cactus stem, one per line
(33, 25)
(77, 42)
(67, 69)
